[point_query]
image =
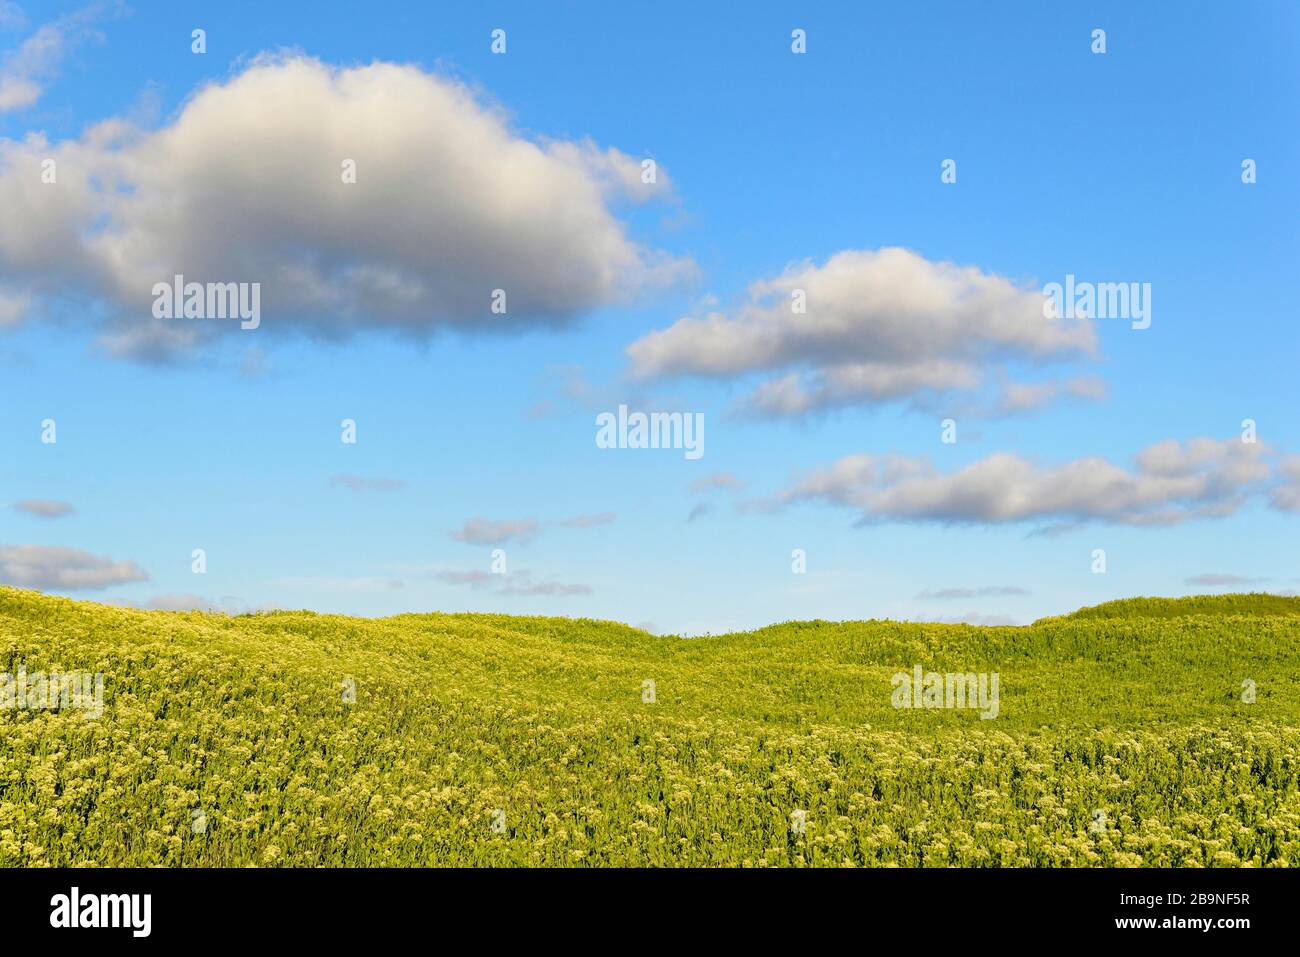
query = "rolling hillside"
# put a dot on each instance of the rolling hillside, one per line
(1144, 732)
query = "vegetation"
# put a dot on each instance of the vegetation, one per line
(1125, 735)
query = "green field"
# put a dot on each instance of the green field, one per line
(1121, 739)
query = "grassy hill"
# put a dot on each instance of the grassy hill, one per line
(1122, 737)
(1255, 604)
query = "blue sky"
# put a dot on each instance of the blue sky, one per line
(1117, 167)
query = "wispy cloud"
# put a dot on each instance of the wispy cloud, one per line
(44, 508)
(1212, 580)
(358, 483)
(484, 531)
(1028, 396)
(521, 582)
(589, 521)
(944, 594)
(715, 481)
(24, 72)
(474, 579)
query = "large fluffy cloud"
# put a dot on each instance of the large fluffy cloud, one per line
(246, 185)
(1169, 483)
(876, 325)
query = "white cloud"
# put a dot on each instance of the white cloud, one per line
(879, 325)
(48, 566)
(245, 185)
(1172, 482)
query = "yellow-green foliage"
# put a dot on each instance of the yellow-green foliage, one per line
(1121, 739)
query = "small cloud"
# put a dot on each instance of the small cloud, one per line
(360, 484)
(26, 70)
(1212, 580)
(44, 508)
(986, 591)
(482, 531)
(699, 511)
(525, 587)
(519, 583)
(542, 409)
(45, 566)
(589, 521)
(717, 480)
(474, 579)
